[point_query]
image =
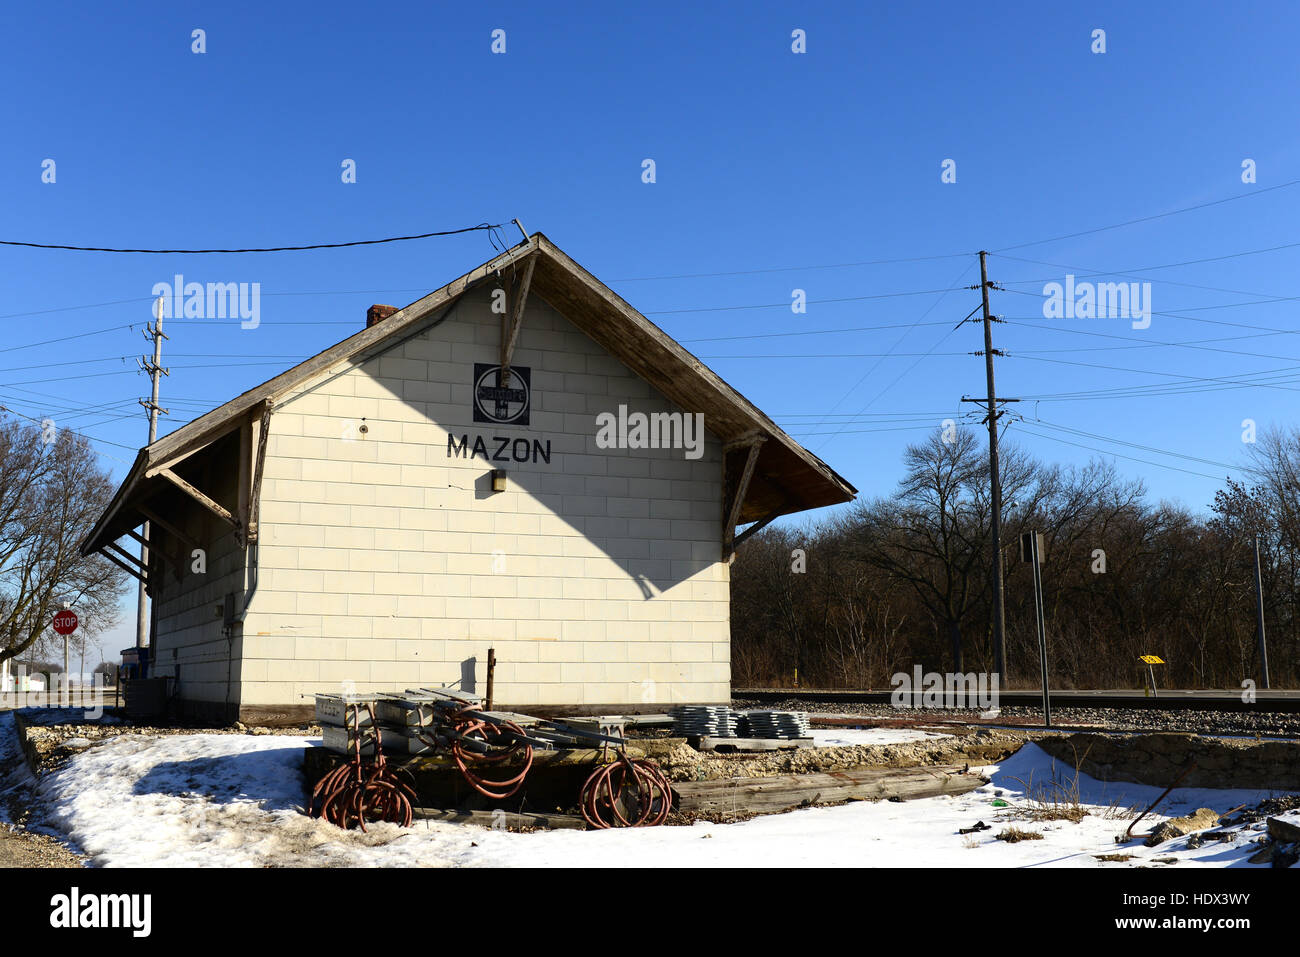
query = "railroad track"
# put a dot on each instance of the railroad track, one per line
(1274, 702)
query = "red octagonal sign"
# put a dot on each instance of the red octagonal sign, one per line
(65, 622)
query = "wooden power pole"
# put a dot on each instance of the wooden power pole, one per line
(155, 370)
(999, 613)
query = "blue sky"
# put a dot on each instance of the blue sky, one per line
(768, 163)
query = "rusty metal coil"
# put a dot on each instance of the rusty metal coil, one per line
(357, 790)
(636, 785)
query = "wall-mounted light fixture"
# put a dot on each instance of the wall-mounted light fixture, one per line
(498, 480)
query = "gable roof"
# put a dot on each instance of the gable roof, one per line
(786, 477)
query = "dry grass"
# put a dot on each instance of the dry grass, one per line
(1054, 800)
(1113, 857)
(1014, 835)
(1117, 813)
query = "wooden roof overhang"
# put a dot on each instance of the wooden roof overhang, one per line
(768, 474)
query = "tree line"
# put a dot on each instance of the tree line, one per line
(905, 579)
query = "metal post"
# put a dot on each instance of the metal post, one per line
(1259, 617)
(1042, 627)
(491, 676)
(999, 614)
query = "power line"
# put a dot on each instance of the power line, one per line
(929, 309)
(1153, 344)
(905, 428)
(1147, 219)
(775, 269)
(813, 332)
(1175, 375)
(1155, 390)
(79, 335)
(263, 249)
(1138, 446)
(5, 408)
(839, 355)
(191, 355)
(1162, 465)
(786, 305)
(99, 375)
(1130, 273)
(1178, 315)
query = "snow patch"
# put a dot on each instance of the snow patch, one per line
(236, 801)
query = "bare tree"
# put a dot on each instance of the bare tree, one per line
(932, 534)
(51, 492)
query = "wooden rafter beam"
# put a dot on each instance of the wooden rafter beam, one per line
(216, 508)
(119, 550)
(125, 567)
(153, 548)
(515, 319)
(131, 566)
(168, 527)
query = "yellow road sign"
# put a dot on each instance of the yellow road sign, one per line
(1152, 660)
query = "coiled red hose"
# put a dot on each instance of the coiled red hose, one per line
(636, 785)
(358, 791)
(490, 734)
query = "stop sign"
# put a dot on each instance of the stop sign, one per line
(65, 622)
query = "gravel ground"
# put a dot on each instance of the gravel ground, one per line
(55, 743)
(18, 846)
(1248, 723)
(22, 848)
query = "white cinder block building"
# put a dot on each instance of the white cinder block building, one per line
(484, 469)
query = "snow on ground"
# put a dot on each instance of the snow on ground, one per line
(235, 800)
(851, 737)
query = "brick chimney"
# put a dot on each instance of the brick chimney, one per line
(378, 314)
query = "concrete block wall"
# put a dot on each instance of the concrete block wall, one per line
(386, 562)
(191, 645)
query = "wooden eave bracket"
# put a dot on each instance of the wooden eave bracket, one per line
(216, 508)
(750, 445)
(756, 527)
(513, 320)
(255, 495)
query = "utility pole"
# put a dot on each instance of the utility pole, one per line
(1259, 617)
(67, 663)
(155, 369)
(995, 482)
